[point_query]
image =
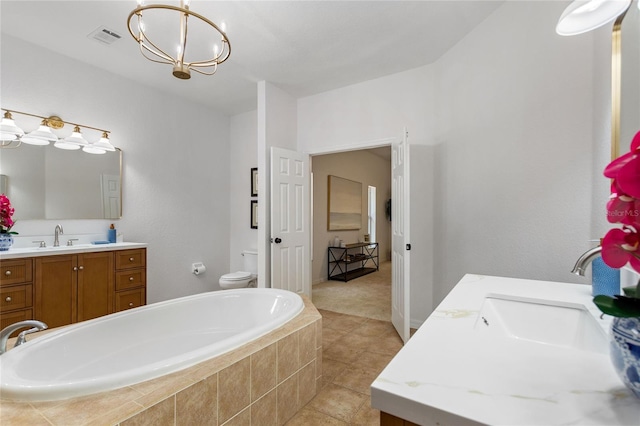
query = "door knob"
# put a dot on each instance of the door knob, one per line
(277, 240)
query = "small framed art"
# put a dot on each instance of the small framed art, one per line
(254, 214)
(254, 182)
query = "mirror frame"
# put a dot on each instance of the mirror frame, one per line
(616, 81)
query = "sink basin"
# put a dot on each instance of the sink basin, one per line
(63, 247)
(541, 321)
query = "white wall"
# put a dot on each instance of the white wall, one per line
(510, 110)
(515, 160)
(244, 156)
(369, 111)
(374, 113)
(359, 166)
(422, 169)
(277, 126)
(176, 170)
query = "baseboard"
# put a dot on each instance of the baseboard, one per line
(318, 281)
(414, 323)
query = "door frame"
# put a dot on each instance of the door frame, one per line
(357, 146)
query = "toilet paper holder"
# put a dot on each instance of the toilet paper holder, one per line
(198, 268)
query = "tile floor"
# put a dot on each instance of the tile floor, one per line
(355, 351)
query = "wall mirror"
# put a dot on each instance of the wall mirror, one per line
(625, 80)
(44, 182)
(344, 204)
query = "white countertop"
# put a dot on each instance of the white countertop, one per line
(14, 253)
(452, 371)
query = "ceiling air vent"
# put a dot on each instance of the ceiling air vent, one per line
(105, 35)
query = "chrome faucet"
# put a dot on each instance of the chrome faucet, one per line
(6, 332)
(58, 231)
(584, 260)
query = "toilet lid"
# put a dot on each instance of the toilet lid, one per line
(237, 276)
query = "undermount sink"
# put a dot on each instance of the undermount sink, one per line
(541, 321)
(65, 247)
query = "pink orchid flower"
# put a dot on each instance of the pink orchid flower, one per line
(620, 246)
(626, 170)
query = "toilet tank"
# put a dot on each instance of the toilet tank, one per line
(250, 259)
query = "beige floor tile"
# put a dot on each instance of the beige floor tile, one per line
(338, 402)
(357, 379)
(342, 353)
(388, 343)
(374, 361)
(374, 328)
(329, 335)
(346, 323)
(354, 341)
(367, 416)
(309, 417)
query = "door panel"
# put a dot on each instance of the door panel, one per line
(290, 230)
(400, 208)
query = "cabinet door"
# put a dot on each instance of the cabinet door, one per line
(95, 285)
(56, 290)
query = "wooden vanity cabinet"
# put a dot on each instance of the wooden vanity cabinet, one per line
(72, 288)
(67, 288)
(16, 291)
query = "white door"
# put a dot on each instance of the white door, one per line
(400, 245)
(290, 228)
(111, 196)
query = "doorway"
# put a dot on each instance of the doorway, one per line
(369, 295)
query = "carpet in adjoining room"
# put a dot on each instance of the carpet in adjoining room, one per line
(368, 296)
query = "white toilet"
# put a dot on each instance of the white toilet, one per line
(245, 278)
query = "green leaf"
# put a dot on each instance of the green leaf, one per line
(630, 291)
(620, 306)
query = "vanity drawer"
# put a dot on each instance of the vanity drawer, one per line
(130, 299)
(16, 297)
(130, 279)
(16, 271)
(15, 316)
(129, 259)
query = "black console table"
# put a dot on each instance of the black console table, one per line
(352, 261)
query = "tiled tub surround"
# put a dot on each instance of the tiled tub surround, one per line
(264, 382)
(548, 367)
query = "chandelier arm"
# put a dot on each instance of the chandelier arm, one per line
(215, 60)
(142, 50)
(156, 50)
(215, 68)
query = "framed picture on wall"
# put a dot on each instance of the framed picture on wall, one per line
(254, 214)
(344, 204)
(254, 182)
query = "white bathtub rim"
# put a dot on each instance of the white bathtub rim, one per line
(18, 390)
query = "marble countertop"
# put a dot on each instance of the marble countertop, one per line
(14, 253)
(452, 372)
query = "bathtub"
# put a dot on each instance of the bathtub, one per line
(129, 347)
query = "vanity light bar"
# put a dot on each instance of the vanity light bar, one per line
(12, 136)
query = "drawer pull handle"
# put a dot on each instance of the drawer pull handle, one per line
(130, 278)
(75, 268)
(7, 273)
(81, 267)
(131, 259)
(8, 299)
(130, 304)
